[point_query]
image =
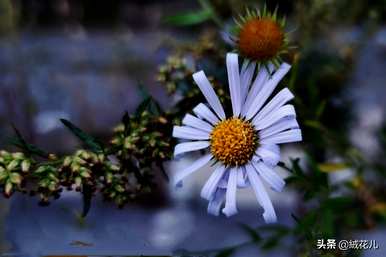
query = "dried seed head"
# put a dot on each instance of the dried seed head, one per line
(260, 39)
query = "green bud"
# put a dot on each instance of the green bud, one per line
(13, 164)
(128, 144)
(101, 157)
(41, 169)
(15, 178)
(79, 160)
(44, 183)
(94, 158)
(85, 155)
(8, 188)
(3, 153)
(119, 188)
(114, 167)
(116, 141)
(79, 152)
(52, 177)
(25, 165)
(52, 186)
(78, 181)
(75, 167)
(3, 174)
(18, 155)
(67, 161)
(109, 177)
(85, 173)
(119, 128)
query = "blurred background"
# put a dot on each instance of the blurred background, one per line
(89, 61)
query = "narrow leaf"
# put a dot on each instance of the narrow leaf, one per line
(251, 232)
(189, 18)
(87, 195)
(332, 167)
(88, 140)
(21, 143)
(149, 104)
(226, 253)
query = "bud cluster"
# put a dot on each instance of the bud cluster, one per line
(13, 168)
(81, 169)
(48, 183)
(174, 73)
(145, 138)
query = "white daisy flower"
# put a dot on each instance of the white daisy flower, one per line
(244, 147)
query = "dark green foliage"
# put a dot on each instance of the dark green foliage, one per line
(20, 142)
(141, 143)
(88, 140)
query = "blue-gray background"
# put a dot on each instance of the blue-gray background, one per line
(83, 62)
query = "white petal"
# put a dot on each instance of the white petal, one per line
(184, 132)
(261, 195)
(279, 100)
(207, 90)
(197, 123)
(247, 71)
(242, 180)
(273, 117)
(269, 153)
(281, 125)
(258, 83)
(266, 91)
(202, 111)
(234, 82)
(215, 203)
(199, 163)
(223, 183)
(270, 176)
(190, 147)
(210, 186)
(230, 198)
(293, 135)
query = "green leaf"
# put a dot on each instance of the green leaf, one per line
(149, 104)
(337, 203)
(189, 18)
(226, 253)
(327, 223)
(321, 108)
(88, 140)
(313, 124)
(163, 171)
(3, 174)
(332, 167)
(31, 149)
(143, 92)
(15, 178)
(251, 232)
(87, 195)
(306, 223)
(8, 187)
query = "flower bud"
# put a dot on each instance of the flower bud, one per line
(25, 165)
(18, 155)
(67, 161)
(15, 178)
(12, 165)
(8, 188)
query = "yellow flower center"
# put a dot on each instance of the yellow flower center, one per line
(260, 39)
(233, 141)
